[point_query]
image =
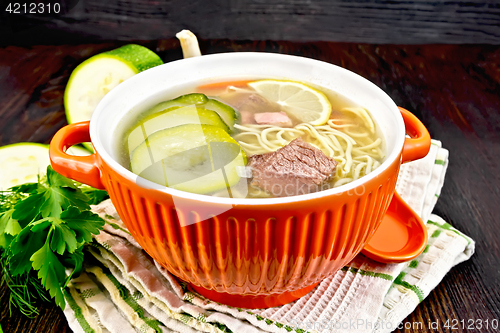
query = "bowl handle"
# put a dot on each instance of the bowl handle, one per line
(401, 236)
(83, 169)
(419, 142)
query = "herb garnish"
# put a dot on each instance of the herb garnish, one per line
(43, 229)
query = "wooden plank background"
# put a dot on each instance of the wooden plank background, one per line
(453, 89)
(363, 21)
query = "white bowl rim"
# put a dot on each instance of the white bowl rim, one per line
(117, 167)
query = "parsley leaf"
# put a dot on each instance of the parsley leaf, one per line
(9, 227)
(62, 237)
(22, 248)
(50, 271)
(40, 225)
(84, 224)
(60, 198)
(50, 201)
(29, 208)
(74, 260)
(44, 227)
(56, 180)
(27, 188)
(95, 196)
(12, 226)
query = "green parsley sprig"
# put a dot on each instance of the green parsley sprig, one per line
(43, 229)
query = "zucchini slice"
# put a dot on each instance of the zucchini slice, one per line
(192, 158)
(227, 113)
(174, 116)
(96, 76)
(24, 162)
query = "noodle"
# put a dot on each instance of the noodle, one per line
(355, 147)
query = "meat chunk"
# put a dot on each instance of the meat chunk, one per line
(273, 118)
(297, 168)
(247, 117)
(248, 104)
(253, 103)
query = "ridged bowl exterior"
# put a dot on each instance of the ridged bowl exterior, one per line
(253, 249)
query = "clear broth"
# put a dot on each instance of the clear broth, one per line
(243, 99)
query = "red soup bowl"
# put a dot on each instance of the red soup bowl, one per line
(252, 253)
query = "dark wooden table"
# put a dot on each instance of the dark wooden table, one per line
(454, 90)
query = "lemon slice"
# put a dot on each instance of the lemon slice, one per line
(302, 102)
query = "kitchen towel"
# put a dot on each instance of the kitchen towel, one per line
(123, 290)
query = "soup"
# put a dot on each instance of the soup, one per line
(254, 139)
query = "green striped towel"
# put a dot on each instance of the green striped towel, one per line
(124, 290)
